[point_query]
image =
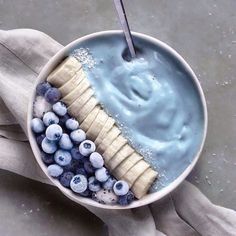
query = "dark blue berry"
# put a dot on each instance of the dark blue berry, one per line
(86, 193)
(126, 199)
(53, 95)
(42, 88)
(63, 119)
(47, 158)
(75, 153)
(81, 171)
(40, 138)
(65, 178)
(73, 166)
(89, 168)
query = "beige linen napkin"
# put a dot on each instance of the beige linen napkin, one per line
(186, 212)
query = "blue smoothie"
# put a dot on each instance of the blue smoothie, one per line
(153, 99)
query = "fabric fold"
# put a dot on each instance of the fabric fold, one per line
(165, 215)
(205, 217)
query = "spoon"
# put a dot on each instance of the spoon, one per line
(125, 26)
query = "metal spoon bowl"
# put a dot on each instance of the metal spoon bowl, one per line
(125, 26)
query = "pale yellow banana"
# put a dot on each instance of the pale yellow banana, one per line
(97, 125)
(115, 146)
(137, 170)
(126, 165)
(103, 133)
(86, 109)
(143, 183)
(64, 72)
(77, 105)
(77, 92)
(89, 119)
(72, 83)
(120, 156)
(106, 142)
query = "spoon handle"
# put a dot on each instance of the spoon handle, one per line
(125, 26)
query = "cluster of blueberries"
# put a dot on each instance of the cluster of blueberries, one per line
(69, 156)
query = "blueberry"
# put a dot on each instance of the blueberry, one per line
(72, 124)
(53, 132)
(126, 199)
(86, 193)
(62, 157)
(65, 142)
(37, 125)
(65, 179)
(55, 170)
(102, 174)
(109, 183)
(75, 153)
(79, 183)
(52, 95)
(121, 188)
(88, 168)
(47, 158)
(42, 88)
(93, 184)
(50, 118)
(48, 146)
(59, 108)
(72, 166)
(78, 136)
(63, 119)
(81, 171)
(87, 147)
(96, 160)
(40, 138)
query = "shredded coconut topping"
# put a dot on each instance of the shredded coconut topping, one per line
(84, 57)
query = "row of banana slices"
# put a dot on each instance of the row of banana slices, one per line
(120, 158)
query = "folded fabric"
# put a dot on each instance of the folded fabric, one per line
(185, 212)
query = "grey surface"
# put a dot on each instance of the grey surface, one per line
(29, 208)
(203, 32)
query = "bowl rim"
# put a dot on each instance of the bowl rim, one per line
(152, 197)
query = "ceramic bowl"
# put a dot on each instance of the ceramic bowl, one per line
(149, 198)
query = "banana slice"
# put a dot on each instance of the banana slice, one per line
(89, 119)
(97, 125)
(64, 72)
(106, 142)
(120, 156)
(137, 170)
(143, 183)
(72, 83)
(102, 134)
(86, 109)
(126, 165)
(77, 92)
(77, 105)
(115, 146)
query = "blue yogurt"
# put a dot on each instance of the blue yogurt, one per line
(153, 99)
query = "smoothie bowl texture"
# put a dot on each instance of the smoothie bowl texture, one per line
(112, 132)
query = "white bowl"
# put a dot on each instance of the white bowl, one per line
(149, 198)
